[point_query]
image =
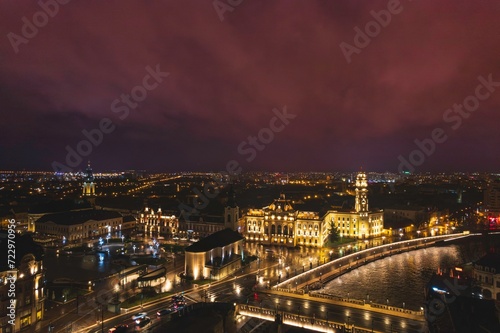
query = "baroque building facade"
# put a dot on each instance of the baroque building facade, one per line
(281, 224)
(22, 307)
(155, 224)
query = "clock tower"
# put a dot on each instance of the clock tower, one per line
(361, 204)
(89, 185)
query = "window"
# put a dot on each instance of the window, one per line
(25, 321)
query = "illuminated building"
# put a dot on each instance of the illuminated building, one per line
(82, 224)
(154, 224)
(89, 185)
(280, 224)
(492, 204)
(29, 293)
(360, 223)
(487, 274)
(153, 280)
(492, 197)
(215, 256)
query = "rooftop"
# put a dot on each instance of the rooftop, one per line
(78, 217)
(491, 260)
(217, 239)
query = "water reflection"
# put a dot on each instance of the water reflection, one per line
(396, 279)
(77, 267)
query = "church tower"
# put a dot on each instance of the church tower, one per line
(361, 204)
(89, 185)
(232, 211)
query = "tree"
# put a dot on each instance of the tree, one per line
(333, 232)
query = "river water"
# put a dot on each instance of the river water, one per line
(396, 279)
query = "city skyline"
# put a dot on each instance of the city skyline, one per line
(282, 87)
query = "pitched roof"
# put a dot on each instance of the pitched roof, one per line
(491, 260)
(217, 239)
(128, 218)
(78, 216)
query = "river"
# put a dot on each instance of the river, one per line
(396, 279)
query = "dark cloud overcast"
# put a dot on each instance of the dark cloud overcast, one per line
(226, 78)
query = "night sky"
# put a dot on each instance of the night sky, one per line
(225, 78)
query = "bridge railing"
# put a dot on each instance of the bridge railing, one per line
(336, 298)
(362, 302)
(291, 291)
(396, 309)
(311, 323)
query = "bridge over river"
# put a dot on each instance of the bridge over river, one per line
(299, 300)
(315, 277)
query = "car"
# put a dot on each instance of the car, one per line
(142, 324)
(118, 329)
(139, 315)
(164, 312)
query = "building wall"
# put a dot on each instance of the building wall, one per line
(492, 197)
(357, 225)
(489, 281)
(80, 231)
(197, 230)
(197, 264)
(194, 266)
(307, 228)
(29, 295)
(154, 224)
